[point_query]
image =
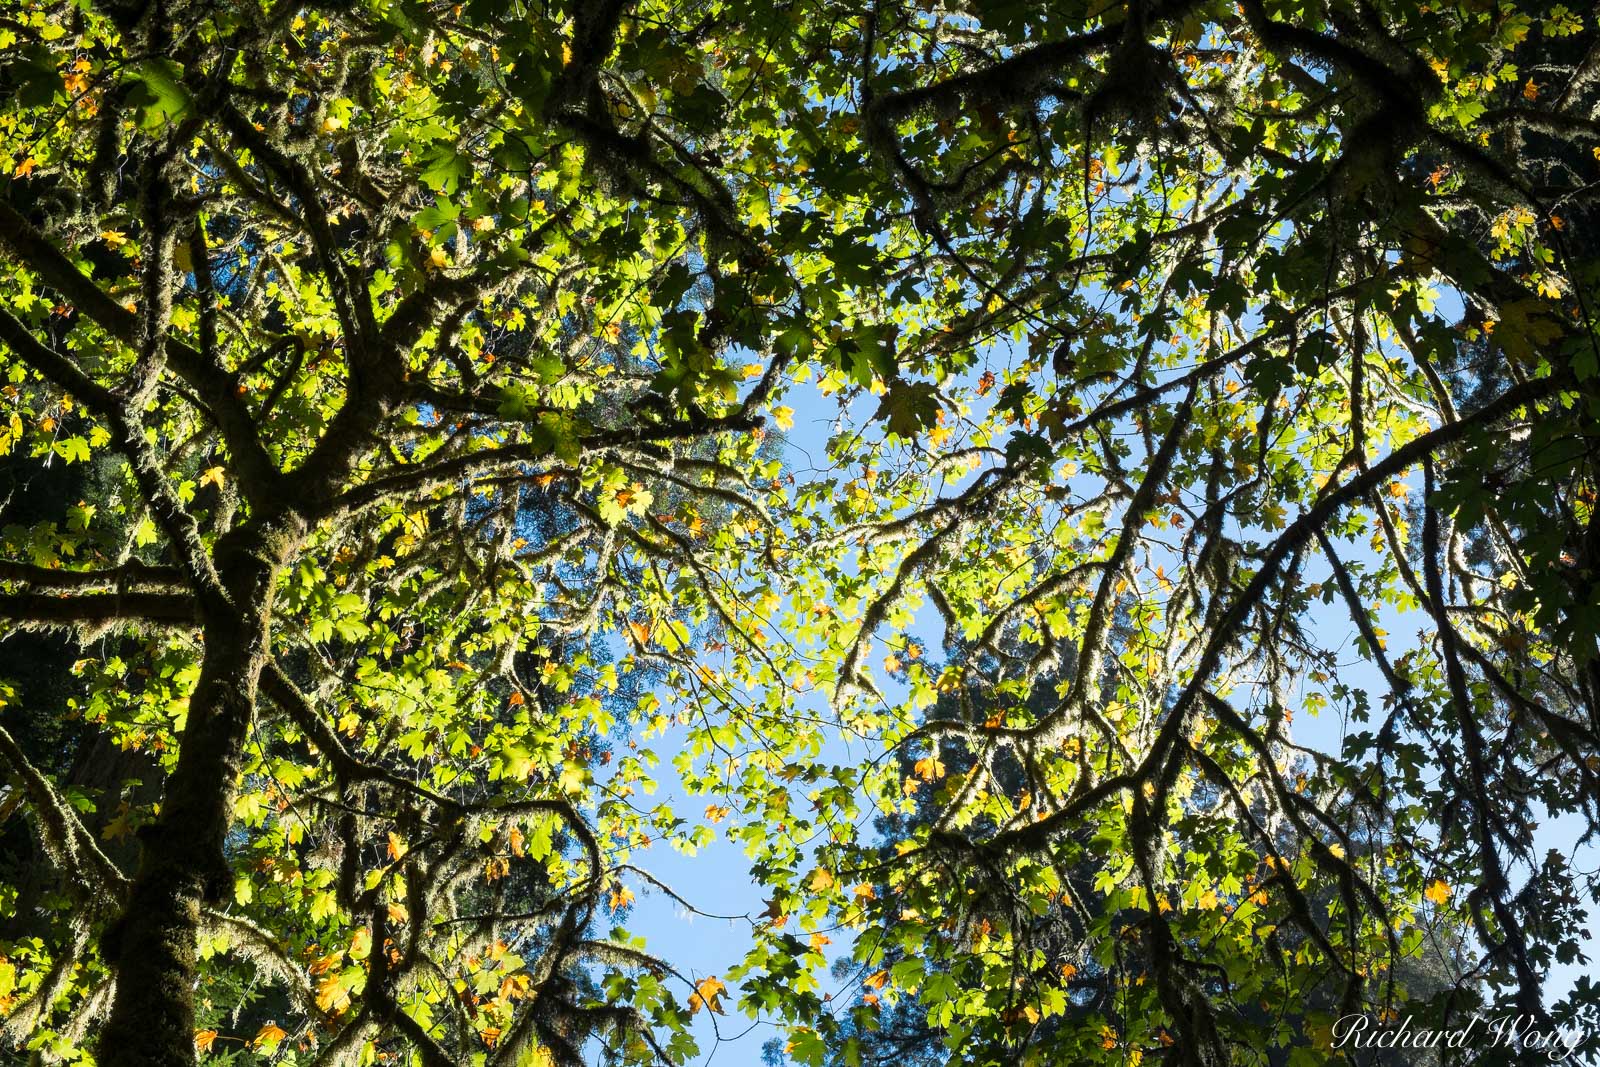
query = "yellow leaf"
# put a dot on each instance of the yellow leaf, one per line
(1438, 891)
(822, 880)
(708, 994)
(212, 476)
(784, 417)
(621, 897)
(114, 238)
(203, 1039)
(269, 1036)
(397, 847)
(929, 768)
(360, 943)
(332, 996)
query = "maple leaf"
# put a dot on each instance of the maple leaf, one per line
(332, 996)
(212, 476)
(204, 1039)
(1438, 891)
(621, 897)
(323, 964)
(708, 994)
(822, 880)
(929, 768)
(269, 1035)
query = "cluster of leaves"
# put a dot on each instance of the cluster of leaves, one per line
(423, 355)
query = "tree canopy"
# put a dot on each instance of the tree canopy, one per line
(394, 416)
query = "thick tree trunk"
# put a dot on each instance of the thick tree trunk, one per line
(183, 866)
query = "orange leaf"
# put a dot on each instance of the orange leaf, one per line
(324, 964)
(269, 1036)
(332, 996)
(708, 994)
(203, 1039)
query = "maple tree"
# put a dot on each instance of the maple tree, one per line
(407, 381)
